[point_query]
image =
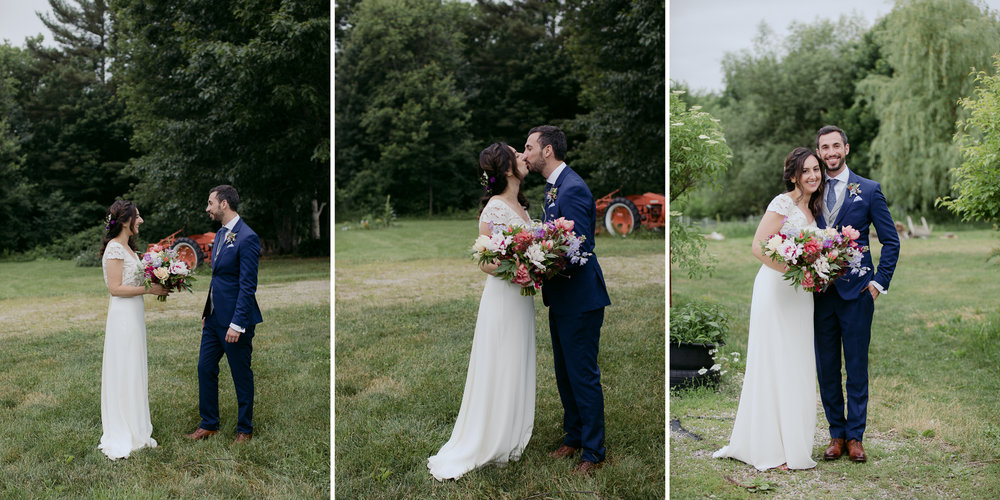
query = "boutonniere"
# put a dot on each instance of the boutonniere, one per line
(550, 195)
(230, 238)
(854, 188)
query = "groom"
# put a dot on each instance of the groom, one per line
(230, 314)
(843, 313)
(576, 299)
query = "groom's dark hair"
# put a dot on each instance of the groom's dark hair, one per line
(829, 129)
(228, 194)
(551, 136)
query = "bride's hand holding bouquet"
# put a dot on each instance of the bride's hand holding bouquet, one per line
(161, 268)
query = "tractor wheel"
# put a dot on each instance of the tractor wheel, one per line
(621, 217)
(189, 252)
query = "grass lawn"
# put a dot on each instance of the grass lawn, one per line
(52, 318)
(406, 303)
(934, 376)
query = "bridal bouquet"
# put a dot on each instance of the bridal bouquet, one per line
(528, 255)
(161, 266)
(817, 257)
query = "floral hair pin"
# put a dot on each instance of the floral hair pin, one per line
(108, 222)
(486, 181)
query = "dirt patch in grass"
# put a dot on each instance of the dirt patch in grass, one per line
(35, 316)
(389, 283)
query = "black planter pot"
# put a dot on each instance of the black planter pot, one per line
(685, 362)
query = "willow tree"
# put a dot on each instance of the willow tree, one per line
(978, 179)
(931, 46)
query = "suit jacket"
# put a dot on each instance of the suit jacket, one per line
(234, 280)
(578, 288)
(861, 211)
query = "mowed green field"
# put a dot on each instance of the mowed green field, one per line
(934, 376)
(406, 304)
(52, 318)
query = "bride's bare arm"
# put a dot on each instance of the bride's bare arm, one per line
(116, 287)
(769, 225)
(484, 230)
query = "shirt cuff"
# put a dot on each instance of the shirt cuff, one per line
(243, 330)
(879, 287)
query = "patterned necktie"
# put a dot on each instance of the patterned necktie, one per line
(221, 244)
(831, 195)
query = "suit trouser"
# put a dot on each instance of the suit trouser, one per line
(843, 324)
(575, 339)
(213, 346)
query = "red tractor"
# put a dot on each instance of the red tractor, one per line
(621, 215)
(194, 249)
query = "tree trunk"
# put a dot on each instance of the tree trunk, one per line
(285, 231)
(317, 211)
(430, 200)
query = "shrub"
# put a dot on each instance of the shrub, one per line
(698, 323)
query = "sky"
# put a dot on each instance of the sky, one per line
(702, 31)
(18, 21)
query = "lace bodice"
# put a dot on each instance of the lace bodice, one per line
(795, 219)
(131, 274)
(499, 213)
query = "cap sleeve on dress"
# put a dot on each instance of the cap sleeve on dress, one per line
(494, 213)
(114, 250)
(781, 204)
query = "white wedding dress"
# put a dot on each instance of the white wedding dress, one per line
(124, 395)
(776, 418)
(497, 414)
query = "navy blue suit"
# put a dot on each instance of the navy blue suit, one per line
(843, 313)
(576, 300)
(231, 300)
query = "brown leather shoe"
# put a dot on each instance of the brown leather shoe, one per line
(586, 467)
(563, 451)
(242, 437)
(835, 450)
(201, 434)
(855, 451)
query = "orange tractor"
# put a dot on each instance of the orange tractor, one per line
(621, 215)
(194, 249)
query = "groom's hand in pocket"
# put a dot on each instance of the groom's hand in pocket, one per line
(872, 289)
(232, 336)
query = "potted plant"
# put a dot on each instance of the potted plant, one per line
(697, 329)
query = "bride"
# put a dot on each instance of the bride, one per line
(497, 414)
(124, 396)
(776, 418)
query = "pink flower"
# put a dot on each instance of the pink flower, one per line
(562, 223)
(851, 233)
(807, 281)
(812, 247)
(522, 277)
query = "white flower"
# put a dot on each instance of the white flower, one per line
(789, 251)
(480, 245)
(711, 352)
(678, 124)
(702, 371)
(723, 372)
(536, 255)
(716, 367)
(773, 242)
(822, 267)
(695, 108)
(179, 268)
(703, 136)
(162, 273)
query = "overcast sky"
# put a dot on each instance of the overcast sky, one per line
(18, 20)
(701, 31)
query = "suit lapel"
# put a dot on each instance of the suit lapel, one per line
(551, 213)
(848, 199)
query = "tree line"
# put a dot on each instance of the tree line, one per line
(894, 88)
(423, 85)
(157, 102)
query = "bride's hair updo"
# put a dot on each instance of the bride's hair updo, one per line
(793, 173)
(494, 163)
(120, 214)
